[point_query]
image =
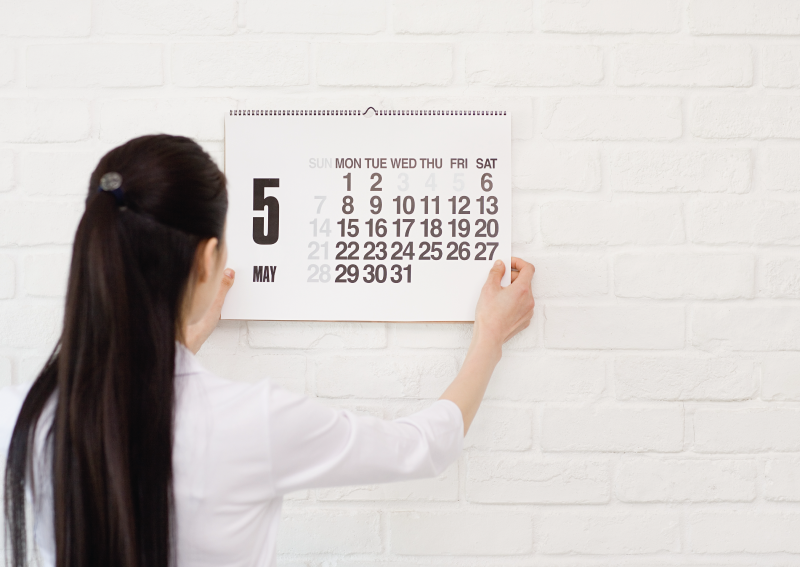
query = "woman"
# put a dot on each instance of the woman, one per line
(136, 456)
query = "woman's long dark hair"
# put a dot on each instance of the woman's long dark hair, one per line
(112, 373)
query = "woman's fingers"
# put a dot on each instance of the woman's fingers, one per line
(227, 282)
(496, 274)
(524, 269)
(517, 266)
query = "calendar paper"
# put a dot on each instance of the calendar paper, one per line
(368, 217)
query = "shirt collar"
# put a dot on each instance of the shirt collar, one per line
(185, 361)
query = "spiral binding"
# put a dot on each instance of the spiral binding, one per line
(360, 113)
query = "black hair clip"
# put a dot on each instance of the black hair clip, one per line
(112, 183)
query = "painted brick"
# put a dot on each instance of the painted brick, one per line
(691, 276)
(746, 327)
(780, 66)
(46, 275)
(284, 370)
(752, 430)
(246, 64)
(460, 533)
(381, 376)
(522, 218)
(716, 221)
(528, 338)
(763, 17)
(94, 65)
(684, 65)
(8, 64)
(610, 16)
(500, 428)
(614, 327)
(300, 495)
(74, 170)
(443, 488)
(43, 120)
(24, 325)
(319, 16)
(156, 17)
(781, 479)
(541, 167)
(603, 533)
(658, 170)
(31, 366)
(330, 531)
(431, 335)
(744, 532)
(778, 168)
(646, 479)
(8, 277)
(758, 117)
(673, 378)
(46, 18)
(547, 377)
(199, 118)
(384, 64)
(513, 479)
(456, 16)
(613, 428)
(611, 118)
(780, 376)
(295, 334)
(779, 277)
(570, 275)
(26, 223)
(7, 170)
(520, 64)
(619, 222)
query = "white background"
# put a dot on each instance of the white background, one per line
(649, 416)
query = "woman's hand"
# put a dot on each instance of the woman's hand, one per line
(197, 333)
(503, 312)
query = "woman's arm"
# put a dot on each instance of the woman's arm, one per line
(501, 313)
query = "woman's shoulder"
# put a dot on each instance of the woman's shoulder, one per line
(205, 391)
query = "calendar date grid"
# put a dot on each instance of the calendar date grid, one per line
(389, 242)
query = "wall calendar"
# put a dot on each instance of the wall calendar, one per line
(365, 216)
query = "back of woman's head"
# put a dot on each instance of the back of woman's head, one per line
(112, 374)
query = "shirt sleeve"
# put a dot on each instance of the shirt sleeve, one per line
(315, 446)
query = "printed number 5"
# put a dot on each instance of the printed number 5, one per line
(458, 181)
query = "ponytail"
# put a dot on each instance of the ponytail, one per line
(112, 373)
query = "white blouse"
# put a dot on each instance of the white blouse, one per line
(239, 447)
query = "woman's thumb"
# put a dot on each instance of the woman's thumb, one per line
(496, 274)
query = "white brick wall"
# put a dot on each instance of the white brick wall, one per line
(649, 417)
